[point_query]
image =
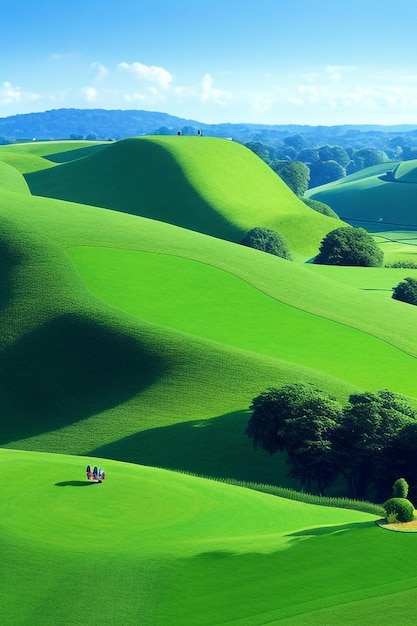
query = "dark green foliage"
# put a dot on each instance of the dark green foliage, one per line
(323, 172)
(362, 440)
(267, 240)
(320, 207)
(349, 246)
(371, 424)
(366, 157)
(298, 419)
(295, 141)
(401, 508)
(334, 153)
(308, 155)
(260, 150)
(295, 174)
(406, 291)
(404, 264)
(400, 488)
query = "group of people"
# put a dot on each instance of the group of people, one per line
(97, 475)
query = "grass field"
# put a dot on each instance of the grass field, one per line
(134, 334)
(154, 547)
(368, 196)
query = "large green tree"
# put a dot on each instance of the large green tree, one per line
(371, 440)
(299, 419)
(349, 246)
(371, 426)
(323, 172)
(295, 174)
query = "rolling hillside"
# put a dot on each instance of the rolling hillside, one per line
(155, 547)
(384, 194)
(208, 185)
(85, 288)
(138, 344)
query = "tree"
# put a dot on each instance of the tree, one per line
(299, 419)
(295, 174)
(371, 423)
(334, 153)
(260, 150)
(323, 172)
(369, 440)
(295, 141)
(349, 246)
(267, 240)
(400, 488)
(406, 291)
(320, 207)
(366, 157)
(308, 155)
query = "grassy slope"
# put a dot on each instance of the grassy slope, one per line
(154, 547)
(207, 185)
(46, 289)
(365, 196)
(159, 545)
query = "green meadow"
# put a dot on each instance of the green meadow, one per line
(370, 196)
(150, 546)
(135, 332)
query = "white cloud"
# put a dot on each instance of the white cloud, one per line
(151, 73)
(337, 72)
(100, 71)
(90, 93)
(10, 94)
(213, 94)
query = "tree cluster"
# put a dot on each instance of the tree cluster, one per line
(370, 441)
(324, 163)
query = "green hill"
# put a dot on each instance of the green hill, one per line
(208, 185)
(383, 194)
(155, 547)
(130, 338)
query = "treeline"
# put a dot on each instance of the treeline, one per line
(371, 441)
(325, 163)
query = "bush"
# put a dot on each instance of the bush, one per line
(268, 241)
(400, 488)
(320, 207)
(349, 246)
(406, 291)
(401, 508)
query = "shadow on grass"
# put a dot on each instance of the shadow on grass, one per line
(76, 483)
(330, 530)
(70, 368)
(216, 447)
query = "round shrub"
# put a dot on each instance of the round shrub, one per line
(352, 246)
(401, 508)
(400, 488)
(406, 290)
(267, 240)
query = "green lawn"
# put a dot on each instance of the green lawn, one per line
(205, 184)
(154, 547)
(367, 197)
(127, 338)
(202, 301)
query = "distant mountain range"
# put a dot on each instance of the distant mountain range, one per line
(118, 124)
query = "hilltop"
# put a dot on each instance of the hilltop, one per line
(208, 185)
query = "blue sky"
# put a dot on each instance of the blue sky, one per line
(320, 62)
